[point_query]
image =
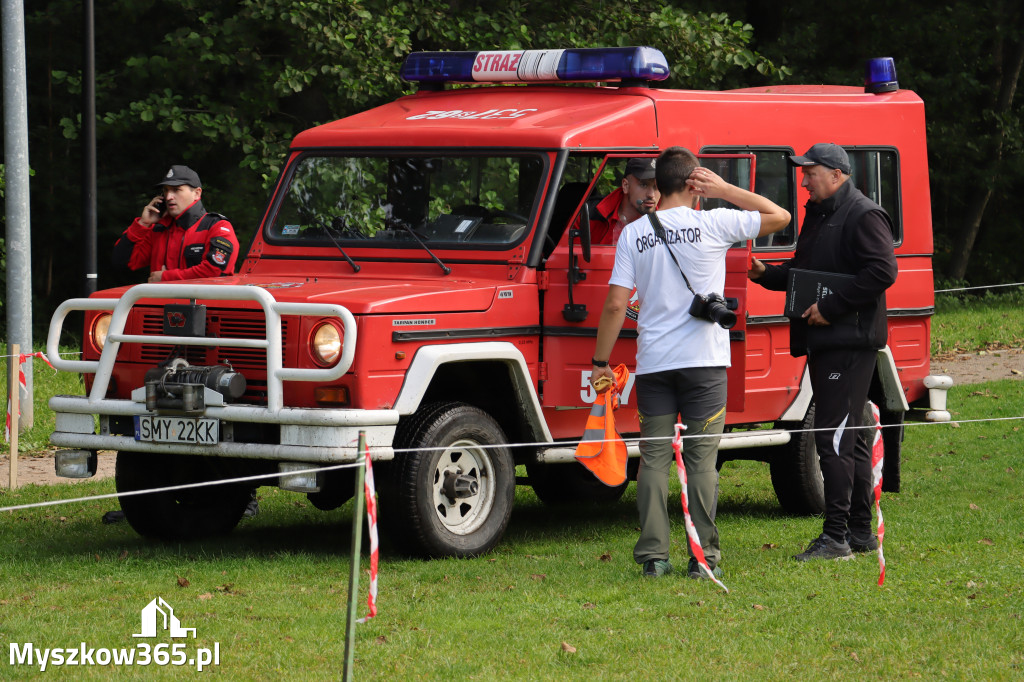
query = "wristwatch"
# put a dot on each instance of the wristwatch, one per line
(599, 363)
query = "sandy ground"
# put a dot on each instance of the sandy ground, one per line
(964, 368)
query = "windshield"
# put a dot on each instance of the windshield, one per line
(471, 201)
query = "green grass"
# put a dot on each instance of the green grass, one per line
(46, 383)
(273, 593)
(967, 324)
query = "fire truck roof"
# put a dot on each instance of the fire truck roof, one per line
(566, 116)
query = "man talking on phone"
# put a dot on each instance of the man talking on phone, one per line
(175, 237)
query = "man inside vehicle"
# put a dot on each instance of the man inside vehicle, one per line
(637, 196)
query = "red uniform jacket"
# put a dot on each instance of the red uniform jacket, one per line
(605, 225)
(196, 244)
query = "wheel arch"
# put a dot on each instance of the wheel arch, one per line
(491, 375)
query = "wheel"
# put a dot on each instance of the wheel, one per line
(892, 439)
(453, 497)
(796, 474)
(572, 483)
(178, 514)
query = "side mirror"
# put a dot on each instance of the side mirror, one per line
(584, 231)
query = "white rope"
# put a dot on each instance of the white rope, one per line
(989, 286)
(246, 479)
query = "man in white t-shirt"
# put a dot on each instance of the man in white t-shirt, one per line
(681, 360)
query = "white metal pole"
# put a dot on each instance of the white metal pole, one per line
(16, 195)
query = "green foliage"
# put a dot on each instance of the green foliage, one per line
(294, 63)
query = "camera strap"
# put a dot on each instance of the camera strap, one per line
(659, 230)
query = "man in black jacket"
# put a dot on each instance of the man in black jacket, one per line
(843, 232)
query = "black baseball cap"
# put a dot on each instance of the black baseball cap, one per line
(824, 154)
(641, 169)
(180, 175)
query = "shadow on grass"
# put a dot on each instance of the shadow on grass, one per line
(289, 525)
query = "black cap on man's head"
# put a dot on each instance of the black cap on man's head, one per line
(642, 169)
(180, 175)
(824, 154)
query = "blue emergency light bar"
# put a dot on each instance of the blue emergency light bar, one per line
(880, 75)
(524, 66)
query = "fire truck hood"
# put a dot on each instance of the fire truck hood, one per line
(375, 297)
(538, 117)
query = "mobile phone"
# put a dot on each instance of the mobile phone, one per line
(161, 206)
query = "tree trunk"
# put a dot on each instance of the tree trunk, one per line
(1007, 78)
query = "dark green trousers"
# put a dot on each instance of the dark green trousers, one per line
(656, 458)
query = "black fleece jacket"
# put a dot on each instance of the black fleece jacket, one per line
(846, 233)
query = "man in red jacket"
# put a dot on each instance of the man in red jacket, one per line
(175, 237)
(637, 196)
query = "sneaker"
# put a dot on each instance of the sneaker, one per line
(655, 568)
(859, 544)
(695, 572)
(251, 509)
(824, 547)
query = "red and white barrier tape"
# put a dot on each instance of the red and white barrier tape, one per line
(691, 530)
(877, 458)
(371, 514)
(21, 382)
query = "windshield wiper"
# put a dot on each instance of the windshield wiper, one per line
(447, 270)
(327, 231)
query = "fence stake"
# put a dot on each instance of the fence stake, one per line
(353, 578)
(14, 397)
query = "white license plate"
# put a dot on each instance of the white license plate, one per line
(177, 430)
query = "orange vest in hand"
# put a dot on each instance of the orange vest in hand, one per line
(603, 451)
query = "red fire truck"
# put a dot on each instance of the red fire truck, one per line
(424, 274)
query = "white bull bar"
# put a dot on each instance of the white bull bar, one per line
(314, 434)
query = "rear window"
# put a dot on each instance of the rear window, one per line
(773, 179)
(876, 173)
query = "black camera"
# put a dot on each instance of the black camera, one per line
(714, 308)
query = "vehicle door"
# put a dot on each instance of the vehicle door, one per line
(576, 289)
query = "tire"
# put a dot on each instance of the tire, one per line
(571, 484)
(892, 439)
(417, 512)
(178, 514)
(795, 471)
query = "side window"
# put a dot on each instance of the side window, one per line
(774, 179)
(876, 173)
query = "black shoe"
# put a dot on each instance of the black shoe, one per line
(251, 509)
(824, 547)
(860, 544)
(116, 516)
(693, 569)
(655, 568)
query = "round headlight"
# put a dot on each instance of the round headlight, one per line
(100, 327)
(326, 343)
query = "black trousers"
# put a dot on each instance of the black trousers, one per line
(840, 380)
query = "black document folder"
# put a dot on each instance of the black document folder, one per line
(807, 287)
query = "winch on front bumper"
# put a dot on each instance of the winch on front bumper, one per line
(186, 409)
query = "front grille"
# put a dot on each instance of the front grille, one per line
(220, 323)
